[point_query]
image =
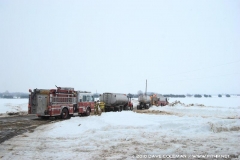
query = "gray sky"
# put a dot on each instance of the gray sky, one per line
(114, 46)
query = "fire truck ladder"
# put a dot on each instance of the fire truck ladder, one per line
(64, 100)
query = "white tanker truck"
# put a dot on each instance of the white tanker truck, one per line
(116, 102)
(144, 102)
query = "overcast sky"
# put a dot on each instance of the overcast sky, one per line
(115, 45)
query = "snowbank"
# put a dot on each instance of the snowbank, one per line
(214, 101)
(198, 110)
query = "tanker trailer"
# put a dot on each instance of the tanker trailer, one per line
(115, 102)
(144, 102)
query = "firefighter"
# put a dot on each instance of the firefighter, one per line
(95, 108)
(102, 106)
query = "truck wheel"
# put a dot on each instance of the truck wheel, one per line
(65, 114)
(146, 107)
(45, 118)
(88, 112)
(117, 109)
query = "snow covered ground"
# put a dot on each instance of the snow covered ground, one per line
(214, 101)
(199, 127)
(13, 105)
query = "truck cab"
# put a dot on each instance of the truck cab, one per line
(85, 103)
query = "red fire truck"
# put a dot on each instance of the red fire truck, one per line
(62, 102)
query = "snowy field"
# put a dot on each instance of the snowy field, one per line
(214, 101)
(13, 105)
(192, 128)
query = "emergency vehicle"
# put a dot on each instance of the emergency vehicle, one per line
(63, 102)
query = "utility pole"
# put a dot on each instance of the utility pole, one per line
(146, 88)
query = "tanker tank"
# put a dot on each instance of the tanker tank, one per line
(114, 101)
(162, 98)
(114, 98)
(144, 99)
(144, 102)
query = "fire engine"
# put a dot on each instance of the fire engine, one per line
(63, 102)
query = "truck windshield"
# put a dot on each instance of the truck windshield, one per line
(87, 98)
